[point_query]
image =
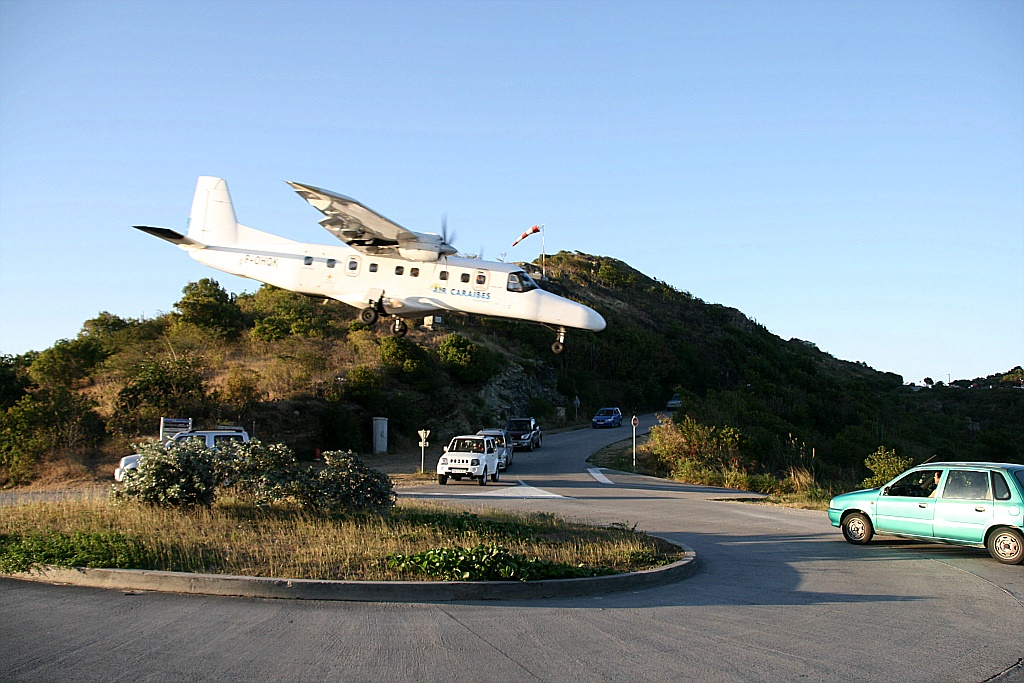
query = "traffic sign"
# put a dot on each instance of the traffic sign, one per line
(636, 421)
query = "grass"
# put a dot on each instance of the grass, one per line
(234, 537)
(800, 490)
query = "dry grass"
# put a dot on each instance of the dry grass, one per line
(236, 538)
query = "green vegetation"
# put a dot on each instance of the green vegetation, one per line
(187, 474)
(236, 536)
(303, 372)
(487, 563)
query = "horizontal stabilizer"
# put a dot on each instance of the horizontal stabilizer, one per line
(171, 236)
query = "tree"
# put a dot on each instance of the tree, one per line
(206, 305)
(159, 388)
(67, 361)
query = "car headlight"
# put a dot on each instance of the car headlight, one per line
(474, 462)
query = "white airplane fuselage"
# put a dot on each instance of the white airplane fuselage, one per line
(397, 286)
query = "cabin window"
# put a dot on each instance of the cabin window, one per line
(353, 264)
(443, 275)
(331, 262)
(481, 278)
(399, 270)
(526, 283)
(308, 260)
(465, 277)
(373, 267)
(415, 272)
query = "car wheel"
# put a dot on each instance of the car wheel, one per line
(494, 477)
(442, 479)
(483, 478)
(1006, 545)
(529, 447)
(857, 528)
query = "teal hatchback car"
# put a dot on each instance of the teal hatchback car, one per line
(979, 504)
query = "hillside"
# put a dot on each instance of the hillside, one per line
(304, 372)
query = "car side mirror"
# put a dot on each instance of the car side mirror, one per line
(445, 449)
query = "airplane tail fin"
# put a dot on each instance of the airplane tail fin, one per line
(212, 220)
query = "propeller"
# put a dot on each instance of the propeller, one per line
(445, 237)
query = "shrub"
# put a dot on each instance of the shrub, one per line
(487, 563)
(345, 485)
(207, 305)
(692, 444)
(67, 361)
(159, 387)
(466, 361)
(47, 419)
(179, 474)
(885, 465)
(268, 472)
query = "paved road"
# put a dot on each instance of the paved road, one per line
(779, 596)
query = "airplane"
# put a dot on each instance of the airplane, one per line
(381, 269)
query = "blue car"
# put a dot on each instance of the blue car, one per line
(607, 417)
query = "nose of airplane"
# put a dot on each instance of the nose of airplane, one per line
(558, 311)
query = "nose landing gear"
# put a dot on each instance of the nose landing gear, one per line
(559, 345)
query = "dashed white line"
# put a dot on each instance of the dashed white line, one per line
(522, 490)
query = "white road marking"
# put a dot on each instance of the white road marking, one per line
(523, 490)
(596, 474)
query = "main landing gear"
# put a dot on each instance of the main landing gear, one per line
(371, 314)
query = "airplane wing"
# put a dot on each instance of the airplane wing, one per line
(353, 223)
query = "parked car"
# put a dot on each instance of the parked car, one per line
(674, 403)
(979, 504)
(212, 438)
(474, 456)
(607, 417)
(524, 433)
(503, 442)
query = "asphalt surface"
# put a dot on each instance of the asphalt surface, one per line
(777, 596)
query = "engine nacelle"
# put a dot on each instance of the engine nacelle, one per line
(419, 253)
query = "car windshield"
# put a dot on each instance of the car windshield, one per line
(518, 426)
(604, 412)
(467, 446)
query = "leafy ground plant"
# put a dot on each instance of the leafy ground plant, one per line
(22, 552)
(488, 563)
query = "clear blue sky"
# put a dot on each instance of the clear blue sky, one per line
(849, 173)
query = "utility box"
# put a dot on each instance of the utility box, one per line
(380, 435)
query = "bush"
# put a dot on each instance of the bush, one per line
(207, 305)
(179, 474)
(345, 485)
(692, 445)
(487, 563)
(886, 465)
(159, 387)
(45, 420)
(268, 473)
(466, 361)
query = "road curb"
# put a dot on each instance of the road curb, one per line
(358, 591)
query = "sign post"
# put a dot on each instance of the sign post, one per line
(424, 433)
(636, 422)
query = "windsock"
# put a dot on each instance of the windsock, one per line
(532, 231)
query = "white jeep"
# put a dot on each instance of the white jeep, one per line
(474, 456)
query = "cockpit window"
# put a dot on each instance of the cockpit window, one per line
(519, 281)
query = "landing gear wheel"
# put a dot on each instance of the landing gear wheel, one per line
(557, 347)
(368, 316)
(442, 479)
(857, 528)
(1006, 545)
(494, 477)
(399, 327)
(483, 478)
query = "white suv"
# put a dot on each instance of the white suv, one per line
(212, 438)
(474, 456)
